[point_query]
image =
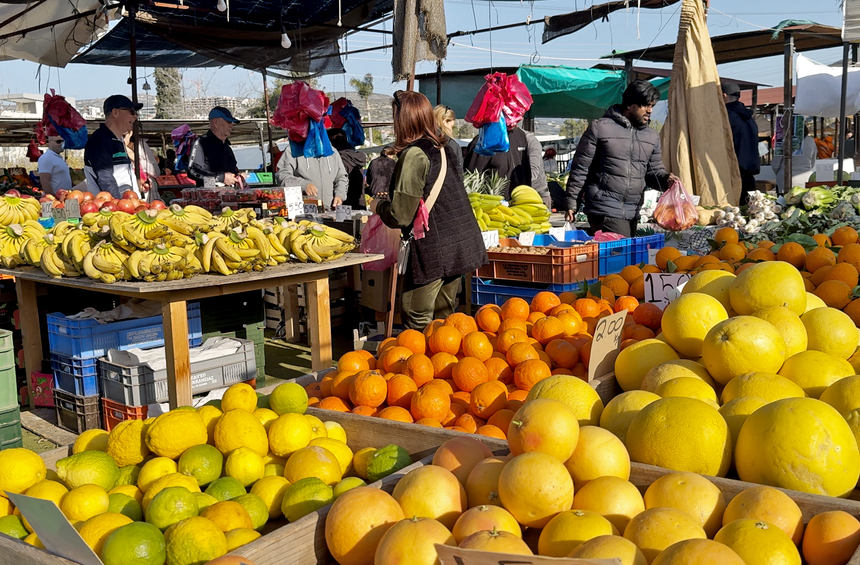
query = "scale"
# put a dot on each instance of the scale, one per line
(259, 179)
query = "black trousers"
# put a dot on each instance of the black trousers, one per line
(627, 228)
(747, 186)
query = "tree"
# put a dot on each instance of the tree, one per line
(364, 88)
(573, 127)
(168, 88)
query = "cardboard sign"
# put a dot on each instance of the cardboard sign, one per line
(824, 172)
(73, 208)
(59, 215)
(451, 555)
(47, 210)
(491, 238)
(526, 238)
(557, 233)
(293, 201)
(663, 288)
(652, 256)
(54, 530)
(606, 345)
(342, 213)
(311, 209)
(695, 198)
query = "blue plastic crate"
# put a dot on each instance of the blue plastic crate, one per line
(641, 245)
(487, 291)
(88, 339)
(75, 375)
(614, 256)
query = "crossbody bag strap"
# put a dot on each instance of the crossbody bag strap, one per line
(437, 186)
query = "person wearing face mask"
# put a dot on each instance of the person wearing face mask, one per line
(53, 169)
(212, 157)
(107, 165)
(616, 159)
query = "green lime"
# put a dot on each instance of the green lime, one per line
(88, 468)
(387, 460)
(289, 398)
(194, 541)
(216, 403)
(203, 462)
(256, 508)
(225, 488)
(306, 496)
(12, 526)
(125, 505)
(128, 475)
(171, 505)
(347, 484)
(263, 401)
(137, 543)
(204, 500)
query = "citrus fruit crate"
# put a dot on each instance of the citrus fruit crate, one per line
(563, 263)
(77, 413)
(115, 413)
(641, 246)
(137, 385)
(10, 428)
(78, 376)
(486, 291)
(88, 338)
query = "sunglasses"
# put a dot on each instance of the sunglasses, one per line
(131, 111)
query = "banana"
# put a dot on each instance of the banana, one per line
(275, 243)
(296, 246)
(47, 263)
(340, 235)
(136, 238)
(108, 278)
(228, 251)
(312, 255)
(116, 222)
(260, 241)
(208, 249)
(202, 212)
(90, 269)
(160, 231)
(221, 266)
(105, 261)
(172, 218)
(134, 263)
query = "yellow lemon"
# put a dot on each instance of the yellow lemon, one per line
(84, 502)
(613, 547)
(210, 415)
(673, 370)
(658, 528)
(19, 470)
(621, 410)
(204, 500)
(767, 386)
(318, 428)
(175, 431)
(46, 490)
(313, 461)
(688, 319)
(690, 493)
(265, 416)
(742, 344)
(813, 302)
(97, 529)
(831, 331)
(271, 490)
(127, 443)
(789, 326)
(613, 498)
(91, 440)
(6, 507)
(335, 431)
(736, 411)
(240, 536)
(339, 449)
(288, 434)
(814, 371)
(245, 465)
(361, 459)
(256, 508)
(844, 394)
(240, 396)
(194, 540)
(171, 505)
(153, 470)
(306, 496)
(129, 490)
(756, 541)
(240, 428)
(171, 480)
(289, 398)
(203, 462)
(634, 362)
(772, 283)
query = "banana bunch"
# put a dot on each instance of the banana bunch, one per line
(96, 220)
(231, 253)
(229, 218)
(53, 264)
(526, 202)
(184, 222)
(320, 243)
(74, 244)
(107, 263)
(32, 250)
(162, 263)
(16, 210)
(13, 238)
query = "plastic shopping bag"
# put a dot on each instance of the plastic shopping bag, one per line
(487, 104)
(518, 99)
(376, 237)
(493, 138)
(500, 93)
(675, 210)
(299, 102)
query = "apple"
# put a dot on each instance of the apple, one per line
(109, 205)
(25, 196)
(157, 205)
(87, 196)
(89, 207)
(61, 194)
(76, 194)
(141, 208)
(47, 198)
(12, 192)
(129, 194)
(104, 195)
(59, 205)
(125, 205)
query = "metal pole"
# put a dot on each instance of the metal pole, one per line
(842, 104)
(787, 111)
(855, 58)
(271, 168)
(262, 145)
(439, 82)
(132, 14)
(755, 100)
(628, 70)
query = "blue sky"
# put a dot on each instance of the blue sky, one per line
(624, 31)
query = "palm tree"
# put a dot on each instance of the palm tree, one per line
(364, 89)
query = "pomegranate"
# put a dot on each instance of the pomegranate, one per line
(12, 192)
(157, 205)
(141, 208)
(89, 207)
(129, 194)
(110, 205)
(87, 196)
(104, 195)
(59, 205)
(125, 205)
(61, 194)
(47, 198)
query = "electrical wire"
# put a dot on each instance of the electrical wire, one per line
(519, 54)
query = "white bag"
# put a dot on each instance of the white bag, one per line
(819, 89)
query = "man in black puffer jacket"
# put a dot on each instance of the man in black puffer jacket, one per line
(617, 157)
(744, 136)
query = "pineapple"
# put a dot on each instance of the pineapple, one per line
(496, 185)
(474, 182)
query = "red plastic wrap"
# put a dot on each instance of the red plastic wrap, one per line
(62, 113)
(298, 103)
(675, 210)
(501, 93)
(376, 237)
(33, 151)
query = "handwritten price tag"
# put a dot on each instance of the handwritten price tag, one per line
(491, 238)
(557, 233)
(606, 344)
(73, 208)
(526, 238)
(452, 555)
(342, 213)
(311, 209)
(293, 201)
(663, 288)
(47, 209)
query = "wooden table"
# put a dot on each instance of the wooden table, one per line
(173, 297)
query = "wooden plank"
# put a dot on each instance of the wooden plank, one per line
(291, 314)
(20, 553)
(319, 324)
(31, 331)
(176, 353)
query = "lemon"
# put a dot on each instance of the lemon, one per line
(813, 302)
(6, 507)
(387, 460)
(843, 395)
(273, 469)
(13, 526)
(306, 496)
(288, 434)
(171, 505)
(742, 344)
(88, 467)
(225, 488)
(238, 428)
(194, 541)
(689, 387)
(578, 395)
(175, 431)
(736, 411)
(97, 529)
(138, 543)
(772, 283)
(239, 537)
(767, 386)
(210, 415)
(756, 541)
(714, 283)
(831, 331)
(313, 461)
(256, 508)
(124, 504)
(84, 502)
(346, 484)
(265, 416)
(34, 540)
(339, 449)
(153, 470)
(204, 500)
(361, 459)
(127, 443)
(128, 475)
(855, 360)
(335, 431)
(688, 319)
(621, 410)
(672, 370)
(289, 398)
(318, 429)
(128, 490)
(240, 396)
(167, 481)
(91, 440)
(245, 465)
(271, 491)
(19, 470)
(46, 490)
(203, 462)
(814, 371)
(789, 325)
(228, 515)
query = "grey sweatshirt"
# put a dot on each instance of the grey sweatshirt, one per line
(326, 173)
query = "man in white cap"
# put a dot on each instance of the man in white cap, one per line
(107, 165)
(212, 157)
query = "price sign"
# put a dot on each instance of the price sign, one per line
(59, 215)
(47, 209)
(526, 238)
(491, 238)
(54, 530)
(453, 555)
(293, 201)
(695, 198)
(73, 208)
(663, 288)
(342, 213)
(311, 209)
(652, 256)
(824, 172)
(557, 233)
(606, 345)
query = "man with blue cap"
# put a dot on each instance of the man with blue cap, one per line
(212, 157)
(107, 166)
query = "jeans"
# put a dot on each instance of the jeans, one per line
(420, 305)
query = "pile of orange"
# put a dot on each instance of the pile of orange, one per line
(471, 374)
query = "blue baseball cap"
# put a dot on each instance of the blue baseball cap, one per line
(222, 112)
(119, 102)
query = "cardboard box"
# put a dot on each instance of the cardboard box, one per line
(376, 290)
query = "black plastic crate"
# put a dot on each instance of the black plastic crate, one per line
(77, 413)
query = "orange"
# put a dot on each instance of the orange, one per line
(836, 294)
(562, 353)
(818, 276)
(476, 344)
(571, 322)
(726, 235)
(368, 388)
(665, 255)
(831, 538)
(637, 288)
(761, 254)
(469, 372)
(455, 412)
(464, 323)
(626, 303)
(509, 337)
(547, 329)
(325, 385)
(850, 254)
(314, 390)
(460, 455)
(686, 262)
(822, 240)
(430, 402)
(819, 257)
(499, 370)
(488, 398)
(560, 309)
(447, 339)
(443, 384)
(637, 332)
(313, 401)
(501, 419)
(705, 260)
(429, 422)
(413, 340)
(365, 411)
(792, 253)
(443, 362)
(489, 317)
(544, 302)
(352, 361)
(461, 398)
(396, 413)
(567, 297)
(732, 252)
(394, 359)
(333, 403)
(586, 308)
(516, 308)
(845, 272)
(853, 311)
(430, 329)
(516, 395)
(513, 324)
(419, 368)
(616, 284)
(528, 373)
(845, 235)
(356, 523)
(400, 391)
(585, 353)
(535, 316)
(630, 273)
(469, 423)
(519, 352)
(340, 384)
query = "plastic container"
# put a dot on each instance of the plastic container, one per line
(116, 413)
(564, 263)
(77, 413)
(641, 245)
(43, 385)
(75, 375)
(498, 292)
(10, 428)
(88, 338)
(139, 385)
(8, 382)
(614, 256)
